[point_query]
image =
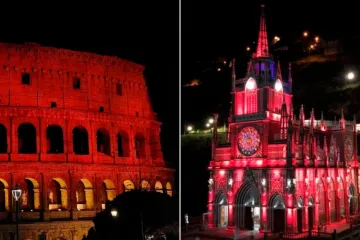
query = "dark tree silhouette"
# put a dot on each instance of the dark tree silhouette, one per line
(139, 214)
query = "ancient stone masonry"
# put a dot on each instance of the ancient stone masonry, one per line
(74, 129)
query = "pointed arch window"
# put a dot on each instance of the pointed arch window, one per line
(250, 96)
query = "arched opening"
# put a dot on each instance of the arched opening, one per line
(222, 210)
(139, 145)
(169, 189)
(30, 197)
(320, 191)
(277, 213)
(123, 144)
(341, 194)
(108, 192)
(300, 211)
(84, 195)
(103, 141)
(57, 195)
(311, 212)
(55, 141)
(351, 194)
(247, 205)
(4, 196)
(80, 141)
(26, 138)
(250, 96)
(159, 187)
(128, 186)
(3, 139)
(145, 185)
(332, 199)
(154, 145)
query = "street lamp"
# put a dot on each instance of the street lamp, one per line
(16, 193)
(211, 121)
(350, 75)
(189, 128)
(114, 212)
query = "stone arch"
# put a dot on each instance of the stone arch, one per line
(320, 192)
(128, 186)
(341, 196)
(352, 202)
(57, 194)
(300, 214)
(26, 138)
(145, 185)
(247, 199)
(140, 145)
(3, 138)
(54, 139)
(159, 187)
(108, 192)
(221, 210)
(103, 141)
(311, 212)
(84, 195)
(277, 216)
(4, 196)
(30, 197)
(332, 199)
(80, 140)
(169, 189)
(122, 139)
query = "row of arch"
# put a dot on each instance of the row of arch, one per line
(247, 208)
(27, 143)
(57, 195)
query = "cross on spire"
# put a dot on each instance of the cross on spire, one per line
(262, 49)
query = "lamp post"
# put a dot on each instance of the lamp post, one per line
(16, 193)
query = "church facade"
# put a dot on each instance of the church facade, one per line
(279, 172)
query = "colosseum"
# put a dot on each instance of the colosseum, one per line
(76, 129)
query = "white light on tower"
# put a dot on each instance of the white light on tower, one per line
(350, 76)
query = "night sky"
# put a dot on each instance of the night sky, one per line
(146, 33)
(214, 32)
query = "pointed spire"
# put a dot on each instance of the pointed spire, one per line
(233, 76)
(322, 122)
(278, 71)
(312, 121)
(290, 78)
(250, 68)
(302, 115)
(342, 120)
(262, 49)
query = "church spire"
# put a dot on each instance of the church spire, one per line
(262, 49)
(278, 71)
(284, 120)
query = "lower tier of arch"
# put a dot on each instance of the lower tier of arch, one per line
(63, 230)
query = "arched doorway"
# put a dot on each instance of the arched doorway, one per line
(221, 206)
(248, 207)
(26, 138)
(320, 191)
(159, 187)
(108, 192)
(332, 200)
(145, 185)
(351, 199)
(103, 141)
(122, 139)
(277, 213)
(139, 146)
(80, 140)
(4, 196)
(55, 141)
(300, 217)
(169, 189)
(128, 186)
(341, 195)
(57, 195)
(311, 212)
(84, 195)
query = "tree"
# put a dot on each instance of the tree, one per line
(139, 214)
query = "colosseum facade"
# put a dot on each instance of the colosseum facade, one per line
(76, 129)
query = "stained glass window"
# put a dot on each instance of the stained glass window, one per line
(248, 141)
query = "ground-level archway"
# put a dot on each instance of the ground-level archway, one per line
(311, 212)
(247, 205)
(320, 191)
(300, 214)
(222, 209)
(277, 213)
(351, 194)
(332, 199)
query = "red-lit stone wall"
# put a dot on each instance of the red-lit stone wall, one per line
(40, 88)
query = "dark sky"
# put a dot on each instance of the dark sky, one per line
(144, 32)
